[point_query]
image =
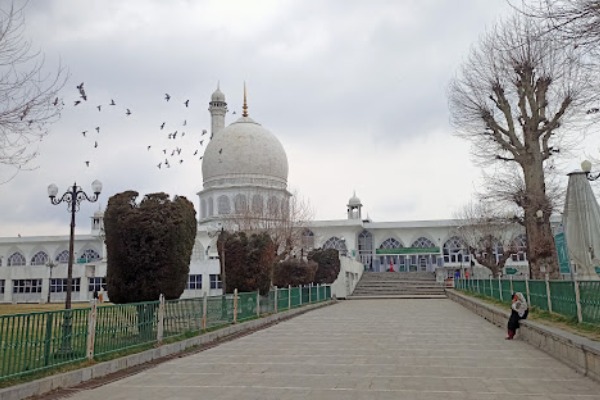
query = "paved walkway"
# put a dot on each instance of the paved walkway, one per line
(363, 349)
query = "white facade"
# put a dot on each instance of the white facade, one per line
(244, 168)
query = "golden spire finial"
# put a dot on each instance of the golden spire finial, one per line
(245, 106)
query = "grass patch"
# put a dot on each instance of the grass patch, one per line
(569, 324)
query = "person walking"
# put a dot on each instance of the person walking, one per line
(519, 311)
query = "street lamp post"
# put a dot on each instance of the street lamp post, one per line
(50, 264)
(73, 197)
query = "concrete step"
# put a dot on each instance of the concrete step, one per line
(396, 296)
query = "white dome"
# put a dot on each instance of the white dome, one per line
(217, 95)
(245, 153)
(354, 201)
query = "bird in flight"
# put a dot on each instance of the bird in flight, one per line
(128, 112)
(95, 144)
(182, 134)
(162, 125)
(202, 141)
(220, 151)
(98, 129)
(77, 102)
(87, 163)
(112, 103)
(99, 107)
(204, 132)
(83, 133)
(184, 122)
(167, 97)
(164, 151)
(159, 164)
(55, 103)
(233, 113)
(81, 91)
(196, 152)
(180, 161)
(200, 157)
(187, 102)
(149, 147)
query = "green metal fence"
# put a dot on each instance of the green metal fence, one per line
(38, 341)
(590, 301)
(123, 326)
(44, 340)
(563, 298)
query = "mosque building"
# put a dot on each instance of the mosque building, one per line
(245, 172)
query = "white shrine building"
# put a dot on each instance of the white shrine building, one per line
(244, 167)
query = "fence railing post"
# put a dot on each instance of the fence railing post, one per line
(548, 295)
(477, 284)
(491, 287)
(527, 289)
(318, 287)
(301, 288)
(309, 293)
(500, 288)
(160, 328)
(235, 305)
(289, 297)
(204, 310)
(511, 284)
(276, 301)
(91, 338)
(578, 300)
(258, 303)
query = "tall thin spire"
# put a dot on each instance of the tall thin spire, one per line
(245, 106)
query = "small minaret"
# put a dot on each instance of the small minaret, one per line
(217, 108)
(354, 208)
(98, 222)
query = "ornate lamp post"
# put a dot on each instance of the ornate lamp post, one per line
(73, 197)
(586, 167)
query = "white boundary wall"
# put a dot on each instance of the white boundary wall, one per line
(350, 273)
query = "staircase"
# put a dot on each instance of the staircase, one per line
(398, 285)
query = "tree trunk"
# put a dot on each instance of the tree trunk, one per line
(541, 252)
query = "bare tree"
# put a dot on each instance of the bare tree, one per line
(283, 219)
(514, 98)
(506, 188)
(576, 21)
(29, 100)
(488, 233)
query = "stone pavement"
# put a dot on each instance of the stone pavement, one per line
(363, 349)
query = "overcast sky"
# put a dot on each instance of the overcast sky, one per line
(356, 91)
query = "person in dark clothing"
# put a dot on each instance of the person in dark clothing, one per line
(519, 311)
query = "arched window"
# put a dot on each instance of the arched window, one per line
(365, 247)
(257, 204)
(390, 243)
(223, 205)
(336, 243)
(40, 258)
(211, 208)
(387, 261)
(273, 206)
(455, 251)
(423, 242)
(16, 260)
(198, 252)
(89, 255)
(520, 244)
(202, 208)
(308, 239)
(63, 257)
(240, 204)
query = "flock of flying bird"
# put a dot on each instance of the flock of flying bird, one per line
(172, 154)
